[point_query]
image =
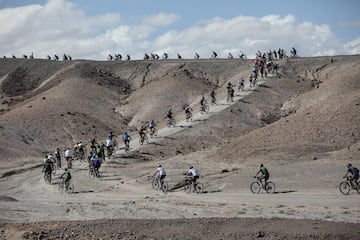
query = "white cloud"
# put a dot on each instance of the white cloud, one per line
(353, 47)
(61, 26)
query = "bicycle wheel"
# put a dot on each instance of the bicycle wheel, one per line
(97, 174)
(344, 188)
(155, 184)
(187, 187)
(255, 187)
(127, 148)
(173, 122)
(199, 188)
(70, 188)
(141, 140)
(165, 187)
(205, 109)
(270, 187)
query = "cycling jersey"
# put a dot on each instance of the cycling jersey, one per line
(109, 143)
(68, 153)
(161, 171)
(126, 137)
(194, 172)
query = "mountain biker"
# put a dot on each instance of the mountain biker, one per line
(197, 56)
(109, 143)
(203, 102)
(126, 138)
(354, 173)
(187, 110)
(95, 162)
(110, 136)
(169, 114)
(214, 55)
(93, 144)
(58, 157)
(161, 174)
(68, 156)
(264, 174)
(213, 98)
(241, 84)
(48, 165)
(67, 175)
(195, 174)
(151, 125)
(142, 131)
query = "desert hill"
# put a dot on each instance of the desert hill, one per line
(310, 108)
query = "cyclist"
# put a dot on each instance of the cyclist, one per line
(95, 162)
(93, 144)
(126, 138)
(195, 174)
(67, 175)
(152, 126)
(169, 114)
(68, 157)
(213, 94)
(264, 174)
(48, 165)
(109, 143)
(187, 110)
(110, 136)
(203, 102)
(142, 131)
(58, 157)
(161, 174)
(354, 173)
(241, 84)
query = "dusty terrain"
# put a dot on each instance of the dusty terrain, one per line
(302, 123)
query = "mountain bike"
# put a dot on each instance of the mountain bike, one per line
(348, 185)
(171, 122)
(109, 151)
(158, 184)
(256, 186)
(127, 146)
(204, 109)
(94, 172)
(47, 177)
(199, 187)
(68, 188)
(153, 132)
(188, 116)
(143, 138)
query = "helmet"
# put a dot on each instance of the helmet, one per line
(261, 165)
(191, 167)
(159, 165)
(66, 169)
(349, 165)
(125, 133)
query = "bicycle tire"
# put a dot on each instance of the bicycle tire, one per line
(270, 187)
(344, 188)
(155, 184)
(255, 187)
(141, 140)
(199, 188)
(70, 188)
(146, 139)
(187, 187)
(165, 187)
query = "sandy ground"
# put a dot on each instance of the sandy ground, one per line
(309, 194)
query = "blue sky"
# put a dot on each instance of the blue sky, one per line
(94, 28)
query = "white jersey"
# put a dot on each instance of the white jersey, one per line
(161, 171)
(68, 153)
(109, 143)
(194, 172)
(51, 157)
